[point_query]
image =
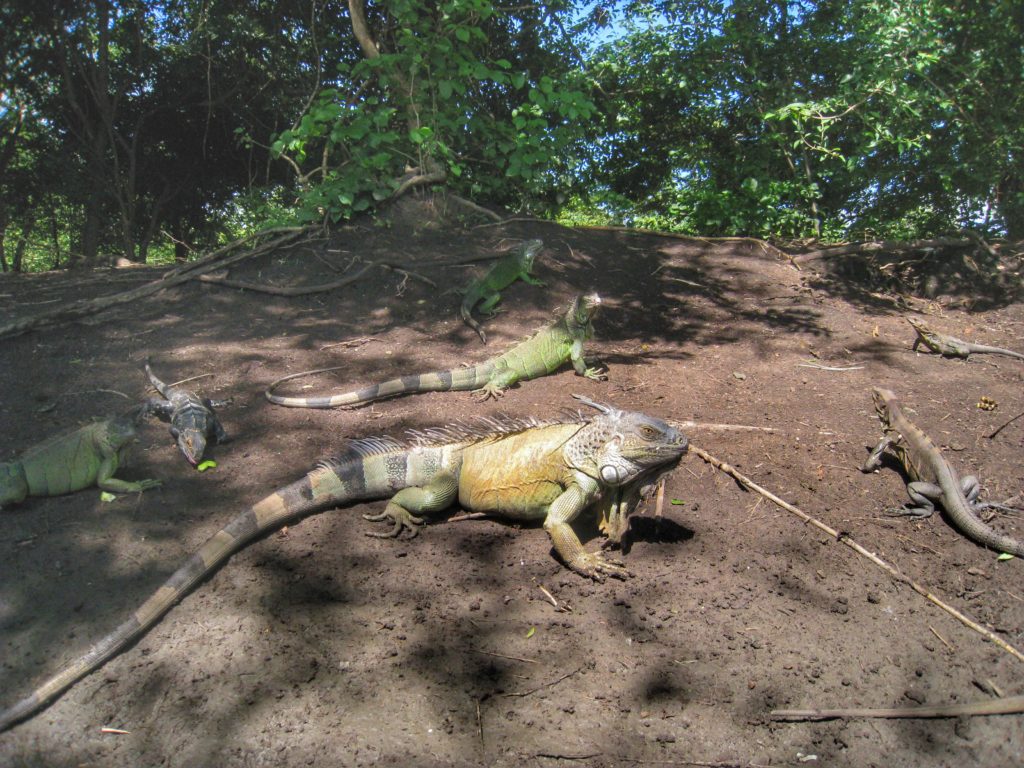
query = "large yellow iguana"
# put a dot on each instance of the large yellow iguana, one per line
(75, 460)
(516, 469)
(486, 291)
(543, 353)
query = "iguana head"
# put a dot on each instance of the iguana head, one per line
(192, 443)
(883, 399)
(528, 253)
(617, 447)
(582, 310)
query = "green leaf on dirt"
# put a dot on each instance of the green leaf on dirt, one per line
(108, 496)
(531, 633)
(1005, 556)
(677, 502)
(202, 467)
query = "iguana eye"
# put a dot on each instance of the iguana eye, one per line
(649, 432)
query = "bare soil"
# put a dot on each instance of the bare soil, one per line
(322, 646)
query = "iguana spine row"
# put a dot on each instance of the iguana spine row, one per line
(519, 469)
(541, 354)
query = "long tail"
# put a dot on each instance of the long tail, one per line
(467, 317)
(326, 486)
(158, 385)
(473, 377)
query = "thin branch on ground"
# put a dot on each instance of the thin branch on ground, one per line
(719, 427)
(1013, 705)
(1004, 426)
(849, 542)
(882, 246)
(517, 694)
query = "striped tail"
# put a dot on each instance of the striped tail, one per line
(353, 476)
(440, 381)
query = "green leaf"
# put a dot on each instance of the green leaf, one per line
(205, 465)
(107, 496)
(1005, 556)
(677, 502)
(531, 633)
(462, 34)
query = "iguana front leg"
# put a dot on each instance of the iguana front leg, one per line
(436, 495)
(106, 481)
(874, 459)
(561, 513)
(579, 364)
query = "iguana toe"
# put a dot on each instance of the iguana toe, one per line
(404, 520)
(596, 566)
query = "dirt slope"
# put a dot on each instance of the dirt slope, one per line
(322, 646)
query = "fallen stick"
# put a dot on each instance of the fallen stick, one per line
(1013, 705)
(844, 539)
(719, 427)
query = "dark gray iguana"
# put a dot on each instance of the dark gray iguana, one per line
(72, 461)
(539, 355)
(950, 346)
(517, 469)
(192, 418)
(932, 478)
(486, 291)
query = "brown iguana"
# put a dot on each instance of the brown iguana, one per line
(950, 346)
(487, 289)
(191, 417)
(539, 355)
(932, 478)
(72, 461)
(517, 469)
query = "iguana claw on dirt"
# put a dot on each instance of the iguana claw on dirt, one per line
(950, 346)
(192, 418)
(539, 355)
(517, 469)
(932, 478)
(486, 290)
(73, 461)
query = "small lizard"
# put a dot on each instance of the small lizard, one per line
(539, 355)
(486, 291)
(192, 418)
(950, 346)
(521, 470)
(73, 461)
(932, 478)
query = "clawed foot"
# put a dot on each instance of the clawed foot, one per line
(594, 565)
(486, 392)
(403, 519)
(596, 374)
(916, 513)
(145, 485)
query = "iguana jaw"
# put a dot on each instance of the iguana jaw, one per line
(192, 443)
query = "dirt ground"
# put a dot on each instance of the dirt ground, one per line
(321, 646)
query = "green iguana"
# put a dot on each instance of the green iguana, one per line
(932, 478)
(486, 290)
(950, 346)
(192, 418)
(75, 460)
(539, 355)
(516, 469)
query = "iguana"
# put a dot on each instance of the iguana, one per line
(486, 291)
(74, 460)
(932, 478)
(192, 418)
(517, 469)
(950, 346)
(539, 355)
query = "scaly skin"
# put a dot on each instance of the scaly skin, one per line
(88, 456)
(932, 478)
(543, 353)
(192, 418)
(950, 346)
(518, 469)
(486, 291)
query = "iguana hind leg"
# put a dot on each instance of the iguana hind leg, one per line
(436, 495)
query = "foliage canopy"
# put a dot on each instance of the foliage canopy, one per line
(145, 129)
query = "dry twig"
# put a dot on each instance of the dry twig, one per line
(1012, 705)
(844, 539)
